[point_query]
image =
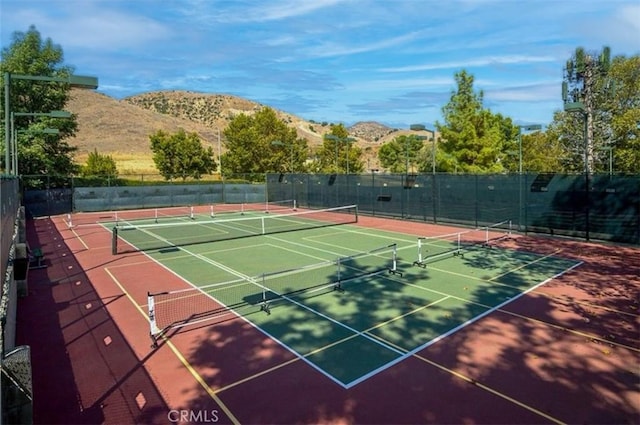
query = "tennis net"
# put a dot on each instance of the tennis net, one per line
(173, 234)
(432, 248)
(197, 305)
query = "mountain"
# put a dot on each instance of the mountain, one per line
(121, 128)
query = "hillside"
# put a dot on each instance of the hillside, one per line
(121, 128)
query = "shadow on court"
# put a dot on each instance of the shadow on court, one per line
(84, 371)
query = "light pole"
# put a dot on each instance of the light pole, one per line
(77, 81)
(580, 108)
(14, 132)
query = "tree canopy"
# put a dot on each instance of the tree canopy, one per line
(261, 143)
(181, 155)
(38, 153)
(402, 154)
(473, 138)
(99, 165)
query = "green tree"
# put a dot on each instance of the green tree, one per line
(338, 152)
(542, 152)
(402, 154)
(624, 109)
(261, 143)
(181, 155)
(99, 165)
(29, 54)
(473, 138)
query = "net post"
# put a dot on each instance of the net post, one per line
(420, 260)
(211, 211)
(356, 214)
(114, 241)
(338, 285)
(242, 208)
(153, 326)
(394, 264)
(191, 216)
(264, 305)
(295, 208)
(486, 236)
(394, 260)
(263, 227)
(459, 249)
(156, 215)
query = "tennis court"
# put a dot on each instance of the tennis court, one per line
(347, 300)
(276, 314)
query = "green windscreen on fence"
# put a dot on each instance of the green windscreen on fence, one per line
(557, 204)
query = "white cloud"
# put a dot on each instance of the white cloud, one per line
(541, 92)
(92, 26)
(491, 60)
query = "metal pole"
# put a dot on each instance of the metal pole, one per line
(520, 151)
(586, 174)
(520, 206)
(433, 154)
(7, 118)
(347, 155)
(14, 145)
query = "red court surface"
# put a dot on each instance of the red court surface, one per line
(567, 352)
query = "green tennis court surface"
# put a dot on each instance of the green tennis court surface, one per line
(374, 319)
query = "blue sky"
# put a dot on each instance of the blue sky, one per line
(390, 61)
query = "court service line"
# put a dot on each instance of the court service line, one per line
(178, 354)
